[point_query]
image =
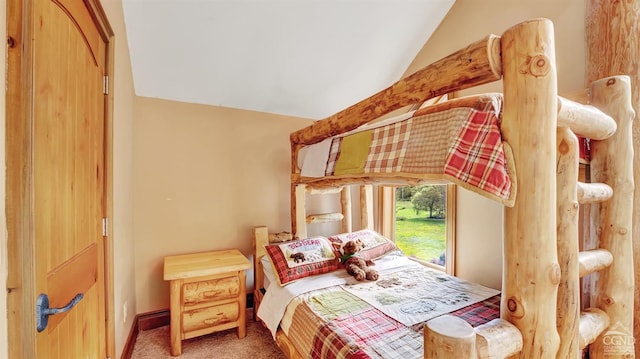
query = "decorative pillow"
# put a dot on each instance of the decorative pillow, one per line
(375, 244)
(302, 258)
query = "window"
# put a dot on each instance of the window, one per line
(423, 223)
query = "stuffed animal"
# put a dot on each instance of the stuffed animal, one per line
(355, 265)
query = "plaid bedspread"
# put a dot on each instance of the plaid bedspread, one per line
(333, 323)
(459, 140)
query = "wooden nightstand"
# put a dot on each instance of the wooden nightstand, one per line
(208, 294)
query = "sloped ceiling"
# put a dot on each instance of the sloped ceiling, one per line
(304, 58)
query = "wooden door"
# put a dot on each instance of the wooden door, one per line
(63, 125)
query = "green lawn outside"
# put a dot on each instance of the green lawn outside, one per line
(417, 235)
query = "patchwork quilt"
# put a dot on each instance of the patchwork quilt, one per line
(459, 140)
(383, 319)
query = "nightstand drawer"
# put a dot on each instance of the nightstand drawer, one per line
(210, 290)
(209, 317)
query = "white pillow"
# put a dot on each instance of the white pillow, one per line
(269, 276)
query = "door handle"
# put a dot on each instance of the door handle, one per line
(43, 311)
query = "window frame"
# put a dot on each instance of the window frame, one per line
(386, 223)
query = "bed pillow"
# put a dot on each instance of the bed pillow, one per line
(267, 269)
(375, 244)
(301, 258)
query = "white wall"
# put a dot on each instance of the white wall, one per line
(124, 280)
(203, 177)
(479, 239)
(472, 20)
(479, 230)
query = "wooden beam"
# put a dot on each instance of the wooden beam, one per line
(477, 64)
(397, 179)
(324, 217)
(584, 120)
(593, 322)
(593, 260)
(497, 339)
(323, 190)
(593, 192)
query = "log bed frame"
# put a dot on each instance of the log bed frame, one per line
(541, 315)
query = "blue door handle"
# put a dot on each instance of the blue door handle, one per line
(43, 311)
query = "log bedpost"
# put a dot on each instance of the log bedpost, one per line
(449, 337)
(345, 204)
(529, 125)
(299, 210)
(610, 164)
(366, 206)
(568, 316)
(260, 239)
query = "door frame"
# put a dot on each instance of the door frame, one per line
(21, 292)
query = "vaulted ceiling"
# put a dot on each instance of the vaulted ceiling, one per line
(304, 58)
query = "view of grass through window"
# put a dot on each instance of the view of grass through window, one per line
(420, 222)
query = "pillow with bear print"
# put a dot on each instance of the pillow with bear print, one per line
(301, 258)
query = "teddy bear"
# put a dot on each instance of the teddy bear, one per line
(355, 265)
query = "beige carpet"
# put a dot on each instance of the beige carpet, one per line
(258, 344)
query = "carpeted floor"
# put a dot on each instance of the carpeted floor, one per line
(258, 344)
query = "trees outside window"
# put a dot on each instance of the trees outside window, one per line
(425, 223)
(432, 199)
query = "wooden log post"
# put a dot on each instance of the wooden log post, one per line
(613, 48)
(449, 337)
(613, 218)
(345, 204)
(366, 207)
(299, 210)
(569, 287)
(585, 120)
(532, 273)
(260, 239)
